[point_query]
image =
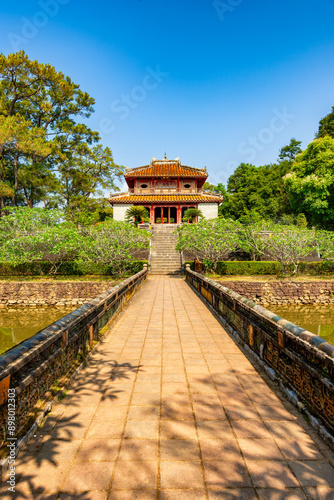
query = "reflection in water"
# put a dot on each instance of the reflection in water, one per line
(318, 319)
(19, 323)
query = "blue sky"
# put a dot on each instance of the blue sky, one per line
(213, 82)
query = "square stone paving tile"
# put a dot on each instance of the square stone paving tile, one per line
(274, 412)
(47, 476)
(281, 494)
(98, 450)
(250, 428)
(115, 397)
(313, 473)
(171, 388)
(233, 494)
(179, 449)
(220, 449)
(142, 429)
(139, 449)
(257, 449)
(212, 412)
(177, 429)
(116, 412)
(271, 474)
(299, 449)
(241, 412)
(75, 413)
(145, 399)
(58, 451)
(286, 429)
(105, 429)
(135, 475)
(206, 399)
(176, 412)
(218, 429)
(175, 474)
(143, 412)
(171, 494)
(320, 492)
(224, 474)
(133, 495)
(176, 399)
(87, 476)
(70, 430)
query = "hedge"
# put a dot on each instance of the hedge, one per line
(250, 268)
(67, 268)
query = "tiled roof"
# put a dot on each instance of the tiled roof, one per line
(165, 198)
(166, 169)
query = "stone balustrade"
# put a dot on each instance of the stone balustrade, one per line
(300, 360)
(41, 366)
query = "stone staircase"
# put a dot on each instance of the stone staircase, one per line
(164, 259)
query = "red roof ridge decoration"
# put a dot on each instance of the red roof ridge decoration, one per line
(165, 198)
(166, 168)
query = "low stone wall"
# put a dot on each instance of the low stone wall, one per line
(50, 293)
(34, 372)
(303, 363)
(284, 292)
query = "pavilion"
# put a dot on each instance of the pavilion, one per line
(166, 189)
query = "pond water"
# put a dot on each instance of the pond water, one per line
(318, 319)
(19, 323)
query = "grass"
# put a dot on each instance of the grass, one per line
(61, 278)
(271, 278)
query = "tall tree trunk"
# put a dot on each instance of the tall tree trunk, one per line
(16, 183)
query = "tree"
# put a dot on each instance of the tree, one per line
(87, 211)
(310, 185)
(191, 214)
(256, 192)
(324, 241)
(85, 173)
(114, 242)
(46, 154)
(210, 239)
(136, 214)
(32, 235)
(289, 245)
(290, 151)
(326, 125)
(253, 238)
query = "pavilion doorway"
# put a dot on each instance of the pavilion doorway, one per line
(165, 215)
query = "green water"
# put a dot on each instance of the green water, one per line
(20, 323)
(314, 318)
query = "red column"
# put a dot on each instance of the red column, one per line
(178, 218)
(168, 215)
(152, 214)
(162, 215)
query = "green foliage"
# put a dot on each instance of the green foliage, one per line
(115, 243)
(326, 125)
(46, 154)
(210, 239)
(311, 183)
(251, 268)
(72, 268)
(36, 235)
(248, 268)
(191, 214)
(137, 214)
(301, 221)
(256, 192)
(290, 151)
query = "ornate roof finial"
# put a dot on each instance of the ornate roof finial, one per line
(165, 158)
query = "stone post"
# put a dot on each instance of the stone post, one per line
(145, 267)
(187, 267)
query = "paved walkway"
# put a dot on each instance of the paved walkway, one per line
(169, 408)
